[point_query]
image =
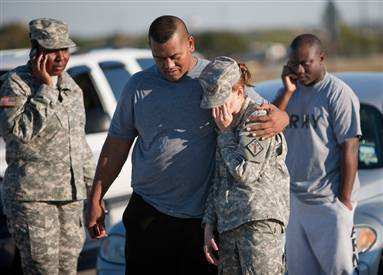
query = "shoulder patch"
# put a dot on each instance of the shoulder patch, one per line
(254, 147)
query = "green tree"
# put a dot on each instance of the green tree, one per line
(14, 35)
(331, 22)
(221, 43)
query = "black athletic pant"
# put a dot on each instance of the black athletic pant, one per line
(160, 244)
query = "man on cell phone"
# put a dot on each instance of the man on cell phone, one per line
(50, 165)
(323, 139)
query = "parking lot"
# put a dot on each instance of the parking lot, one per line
(87, 272)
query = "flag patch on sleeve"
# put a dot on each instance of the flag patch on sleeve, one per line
(7, 101)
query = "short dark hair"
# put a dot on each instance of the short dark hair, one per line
(306, 39)
(163, 28)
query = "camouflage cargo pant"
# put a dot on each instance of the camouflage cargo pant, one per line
(252, 248)
(49, 235)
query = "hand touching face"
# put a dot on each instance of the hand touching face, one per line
(223, 116)
(49, 63)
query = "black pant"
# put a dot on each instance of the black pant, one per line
(160, 244)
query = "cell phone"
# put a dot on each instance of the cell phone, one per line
(35, 49)
(293, 76)
(96, 230)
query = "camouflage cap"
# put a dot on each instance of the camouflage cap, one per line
(51, 34)
(217, 80)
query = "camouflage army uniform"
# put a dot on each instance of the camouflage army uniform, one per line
(48, 161)
(50, 168)
(249, 200)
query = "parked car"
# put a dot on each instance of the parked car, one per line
(101, 74)
(369, 212)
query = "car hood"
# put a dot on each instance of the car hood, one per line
(371, 183)
(368, 210)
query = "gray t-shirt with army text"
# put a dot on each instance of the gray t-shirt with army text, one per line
(322, 117)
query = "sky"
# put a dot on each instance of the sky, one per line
(99, 17)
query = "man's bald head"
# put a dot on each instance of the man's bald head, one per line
(305, 40)
(306, 59)
(164, 27)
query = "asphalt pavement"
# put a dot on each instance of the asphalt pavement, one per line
(87, 272)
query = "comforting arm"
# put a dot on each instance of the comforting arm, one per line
(270, 124)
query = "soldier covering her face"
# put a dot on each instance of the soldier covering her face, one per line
(248, 203)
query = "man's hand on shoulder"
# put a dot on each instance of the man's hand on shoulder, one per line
(274, 122)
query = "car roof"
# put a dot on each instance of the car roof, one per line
(101, 54)
(10, 59)
(368, 86)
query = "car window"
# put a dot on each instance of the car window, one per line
(96, 118)
(371, 143)
(3, 72)
(145, 62)
(116, 74)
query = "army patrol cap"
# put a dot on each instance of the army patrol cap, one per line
(217, 80)
(51, 34)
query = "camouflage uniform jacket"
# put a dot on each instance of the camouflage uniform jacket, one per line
(251, 180)
(47, 155)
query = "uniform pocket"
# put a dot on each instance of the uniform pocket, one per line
(62, 121)
(38, 240)
(265, 226)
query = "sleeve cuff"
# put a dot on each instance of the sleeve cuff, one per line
(208, 219)
(356, 134)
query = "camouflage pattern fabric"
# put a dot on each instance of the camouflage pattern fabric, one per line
(50, 33)
(217, 80)
(254, 248)
(50, 236)
(251, 179)
(47, 155)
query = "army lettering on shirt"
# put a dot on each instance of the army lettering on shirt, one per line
(304, 121)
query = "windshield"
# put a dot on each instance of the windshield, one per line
(371, 143)
(117, 76)
(145, 62)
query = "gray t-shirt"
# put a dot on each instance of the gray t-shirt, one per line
(174, 151)
(173, 157)
(322, 117)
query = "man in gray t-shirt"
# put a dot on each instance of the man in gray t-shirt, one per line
(322, 160)
(173, 157)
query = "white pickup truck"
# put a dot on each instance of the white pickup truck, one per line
(101, 74)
